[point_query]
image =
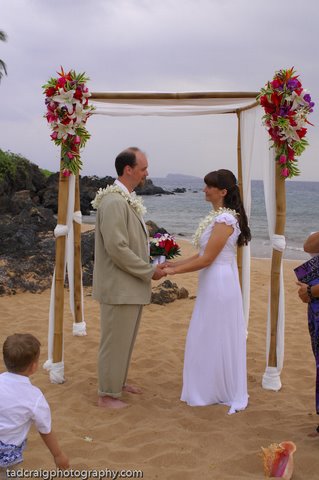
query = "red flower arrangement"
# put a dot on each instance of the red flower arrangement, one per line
(286, 106)
(164, 244)
(67, 112)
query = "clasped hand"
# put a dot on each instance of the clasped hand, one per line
(168, 268)
(162, 270)
(159, 272)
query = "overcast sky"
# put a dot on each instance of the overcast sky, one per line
(149, 45)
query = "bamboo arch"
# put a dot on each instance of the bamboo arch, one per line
(148, 97)
(276, 261)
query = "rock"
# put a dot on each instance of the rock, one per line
(150, 189)
(182, 293)
(20, 200)
(27, 267)
(167, 292)
(152, 228)
(179, 190)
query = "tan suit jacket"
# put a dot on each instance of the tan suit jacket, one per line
(122, 272)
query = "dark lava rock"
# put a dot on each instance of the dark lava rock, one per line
(167, 292)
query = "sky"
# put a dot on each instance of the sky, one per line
(147, 45)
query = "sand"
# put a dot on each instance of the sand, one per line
(157, 433)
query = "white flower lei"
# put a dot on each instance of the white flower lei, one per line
(208, 220)
(131, 198)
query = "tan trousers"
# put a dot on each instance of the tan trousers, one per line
(119, 327)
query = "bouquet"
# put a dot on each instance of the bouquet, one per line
(164, 244)
(287, 105)
(66, 98)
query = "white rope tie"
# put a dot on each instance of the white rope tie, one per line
(61, 230)
(278, 242)
(77, 216)
(79, 329)
(271, 379)
(56, 371)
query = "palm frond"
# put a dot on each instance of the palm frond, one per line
(2, 68)
(3, 36)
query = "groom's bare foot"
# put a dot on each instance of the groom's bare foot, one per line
(131, 389)
(110, 402)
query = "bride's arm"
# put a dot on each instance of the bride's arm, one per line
(181, 262)
(214, 246)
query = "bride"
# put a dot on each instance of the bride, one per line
(215, 352)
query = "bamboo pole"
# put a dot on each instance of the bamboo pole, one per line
(77, 257)
(59, 270)
(169, 95)
(240, 186)
(276, 266)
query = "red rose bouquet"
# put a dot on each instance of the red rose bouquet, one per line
(164, 244)
(287, 105)
(66, 98)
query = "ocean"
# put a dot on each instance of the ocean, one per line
(180, 213)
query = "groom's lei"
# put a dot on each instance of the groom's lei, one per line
(208, 220)
(131, 198)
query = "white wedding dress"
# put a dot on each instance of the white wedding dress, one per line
(215, 352)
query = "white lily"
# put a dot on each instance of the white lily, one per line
(64, 130)
(298, 100)
(290, 133)
(66, 98)
(79, 114)
(300, 119)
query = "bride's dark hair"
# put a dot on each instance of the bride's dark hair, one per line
(226, 179)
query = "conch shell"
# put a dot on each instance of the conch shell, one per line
(278, 460)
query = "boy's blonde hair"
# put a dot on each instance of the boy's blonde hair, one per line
(20, 350)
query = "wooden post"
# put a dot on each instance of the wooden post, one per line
(240, 186)
(59, 270)
(77, 257)
(276, 266)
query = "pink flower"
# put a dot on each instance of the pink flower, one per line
(285, 172)
(54, 135)
(66, 173)
(282, 159)
(70, 155)
(61, 82)
(77, 140)
(51, 117)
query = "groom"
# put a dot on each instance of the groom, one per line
(122, 275)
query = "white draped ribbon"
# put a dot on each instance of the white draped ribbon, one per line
(57, 369)
(247, 140)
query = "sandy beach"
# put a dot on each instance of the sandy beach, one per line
(157, 433)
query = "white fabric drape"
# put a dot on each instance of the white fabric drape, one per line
(168, 107)
(271, 378)
(247, 136)
(57, 369)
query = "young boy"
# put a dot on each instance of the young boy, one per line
(21, 403)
